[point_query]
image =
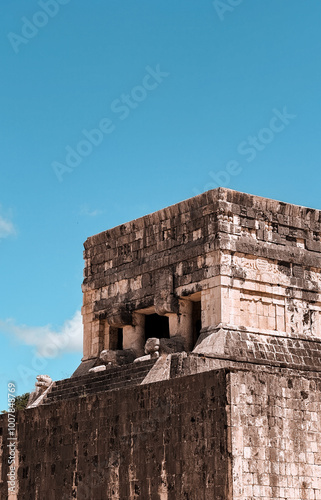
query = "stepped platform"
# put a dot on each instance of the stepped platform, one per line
(113, 378)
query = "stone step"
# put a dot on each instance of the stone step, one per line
(109, 373)
(94, 390)
(102, 377)
(110, 379)
(99, 383)
(84, 392)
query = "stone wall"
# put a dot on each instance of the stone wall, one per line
(239, 416)
(226, 434)
(253, 263)
(165, 441)
(147, 263)
(275, 430)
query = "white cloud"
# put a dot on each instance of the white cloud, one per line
(85, 210)
(49, 343)
(6, 228)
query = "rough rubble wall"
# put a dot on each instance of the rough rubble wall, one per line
(275, 430)
(163, 441)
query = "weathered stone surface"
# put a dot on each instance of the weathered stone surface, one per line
(152, 345)
(147, 357)
(84, 367)
(223, 434)
(43, 384)
(274, 423)
(118, 357)
(264, 349)
(231, 407)
(160, 371)
(113, 377)
(250, 261)
(174, 344)
(97, 369)
(128, 444)
(164, 346)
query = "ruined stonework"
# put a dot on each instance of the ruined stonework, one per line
(227, 403)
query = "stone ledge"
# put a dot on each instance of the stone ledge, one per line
(261, 348)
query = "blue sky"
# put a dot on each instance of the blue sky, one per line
(111, 110)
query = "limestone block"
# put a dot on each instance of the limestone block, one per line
(97, 369)
(182, 324)
(164, 299)
(160, 371)
(97, 337)
(211, 343)
(147, 357)
(87, 337)
(211, 307)
(118, 315)
(134, 335)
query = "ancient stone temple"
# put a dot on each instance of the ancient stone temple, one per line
(201, 371)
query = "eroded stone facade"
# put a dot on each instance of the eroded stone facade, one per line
(227, 403)
(248, 263)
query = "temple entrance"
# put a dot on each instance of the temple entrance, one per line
(197, 320)
(156, 326)
(120, 339)
(115, 341)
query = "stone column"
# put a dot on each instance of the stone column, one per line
(164, 300)
(211, 307)
(97, 341)
(87, 319)
(86, 339)
(134, 335)
(110, 337)
(182, 323)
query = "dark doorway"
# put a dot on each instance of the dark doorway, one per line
(115, 338)
(120, 339)
(156, 326)
(197, 320)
